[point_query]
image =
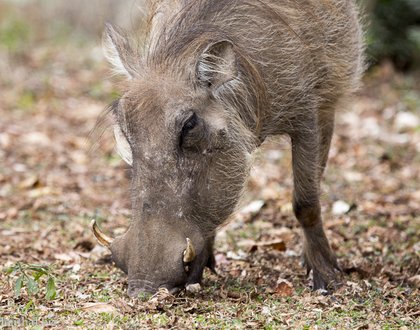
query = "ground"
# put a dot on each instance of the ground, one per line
(55, 178)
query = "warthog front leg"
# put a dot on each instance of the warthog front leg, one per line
(309, 154)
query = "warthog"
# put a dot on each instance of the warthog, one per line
(212, 80)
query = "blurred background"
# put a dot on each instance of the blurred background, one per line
(393, 32)
(393, 26)
(54, 83)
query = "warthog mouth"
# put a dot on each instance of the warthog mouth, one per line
(136, 287)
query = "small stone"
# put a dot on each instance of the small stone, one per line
(322, 292)
(193, 288)
(406, 120)
(340, 207)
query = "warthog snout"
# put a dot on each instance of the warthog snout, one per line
(165, 263)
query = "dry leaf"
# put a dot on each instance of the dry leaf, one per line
(286, 208)
(67, 256)
(283, 233)
(283, 288)
(98, 308)
(123, 306)
(278, 245)
(414, 281)
(39, 192)
(193, 288)
(253, 207)
(30, 182)
(160, 298)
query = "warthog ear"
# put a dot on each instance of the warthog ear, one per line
(217, 65)
(118, 51)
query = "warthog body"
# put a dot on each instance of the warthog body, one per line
(211, 82)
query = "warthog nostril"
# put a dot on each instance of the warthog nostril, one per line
(147, 208)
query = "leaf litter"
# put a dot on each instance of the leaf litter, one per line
(51, 186)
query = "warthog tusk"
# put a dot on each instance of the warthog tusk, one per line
(100, 236)
(189, 253)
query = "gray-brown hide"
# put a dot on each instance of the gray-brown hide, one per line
(211, 81)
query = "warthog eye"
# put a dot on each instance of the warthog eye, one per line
(188, 126)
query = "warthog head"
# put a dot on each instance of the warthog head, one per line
(177, 126)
